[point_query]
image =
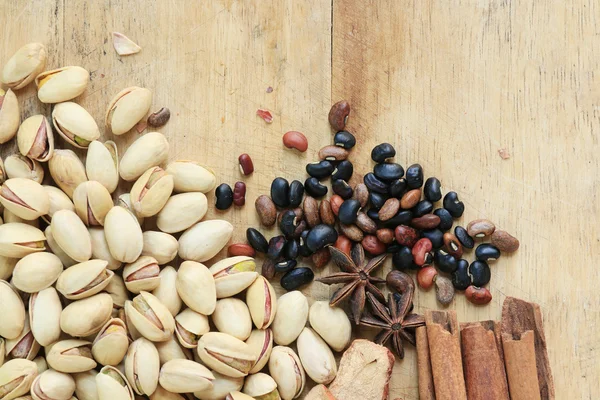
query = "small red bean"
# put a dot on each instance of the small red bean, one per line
(295, 140)
(343, 244)
(336, 202)
(239, 194)
(478, 295)
(240, 249)
(246, 164)
(372, 245)
(421, 251)
(426, 277)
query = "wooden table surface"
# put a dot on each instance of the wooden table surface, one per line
(449, 83)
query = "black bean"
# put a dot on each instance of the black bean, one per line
(461, 278)
(480, 273)
(344, 139)
(453, 204)
(223, 197)
(348, 211)
(374, 184)
(402, 218)
(297, 277)
(377, 200)
(463, 237)
(373, 214)
(285, 266)
(398, 188)
(341, 188)
(487, 252)
(433, 189)
(436, 237)
(296, 192)
(320, 236)
(388, 171)
(404, 259)
(423, 207)
(414, 176)
(276, 245)
(302, 225)
(343, 170)
(257, 240)
(393, 248)
(303, 249)
(445, 262)
(382, 151)
(288, 223)
(446, 220)
(280, 192)
(314, 188)
(320, 169)
(291, 249)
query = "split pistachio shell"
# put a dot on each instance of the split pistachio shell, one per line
(96, 309)
(67, 170)
(172, 350)
(182, 211)
(233, 275)
(75, 124)
(71, 235)
(131, 329)
(191, 176)
(24, 198)
(44, 316)
(162, 246)
(189, 327)
(18, 240)
(24, 65)
(286, 369)
(148, 151)
(143, 274)
(10, 116)
(127, 108)
(151, 191)
(61, 84)
(12, 311)
(111, 343)
(221, 386)
(53, 385)
(261, 344)
(317, 358)
(262, 302)
(16, 378)
(150, 317)
(100, 248)
(19, 166)
(142, 366)
(36, 272)
(102, 164)
(225, 354)
(85, 385)
(196, 287)
(331, 323)
(125, 202)
(58, 201)
(60, 253)
(70, 356)
(204, 240)
(92, 202)
(166, 291)
(84, 279)
(112, 385)
(261, 386)
(7, 266)
(123, 235)
(232, 316)
(238, 396)
(23, 346)
(35, 138)
(291, 317)
(184, 376)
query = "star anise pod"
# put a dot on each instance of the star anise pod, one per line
(356, 276)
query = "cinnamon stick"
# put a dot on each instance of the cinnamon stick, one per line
(483, 361)
(444, 350)
(521, 368)
(426, 388)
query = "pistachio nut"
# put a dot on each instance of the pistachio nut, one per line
(19, 166)
(225, 354)
(123, 235)
(238, 396)
(71, 235)
(12, 310)
(2, 350)
(151, 191)
(16, 378)
(317, 358)
(2, 172)
(221, 386)
(55, 248)
(148, 151)
(172, 350)
(7, 265)
(189, 327)
(102, 164)
(331, 323)
(261, 386)
(75, 124)
(35, 138)
(125, 202)
(131, 329)
(291, 317)
(233, 275)
(163, 394)
(196, 287)
(24, 345)
(58, 201)
(10, 116)
(86, 317)
(127, 108)
(231, 316)
(262, 302)
(182, 211)
(52, 385)
(67, 170)
(162, 246)
(24, 198)
(44, 316)
(261, 344)
(117, 290)
(184, 376)
(142, 365)
(286, 369)
(40, 361)
(100, 248)
(36, 271)
(143, 274)
(111, 343)
(84, 279)
(112, 385)
(70, 356)
(18, 240)
(204, 240)
(11, 217)
(22, 68)
(62, 84)
(191, 176)
(166, 291)
(151, 318)
(85, 385)
(92, 202)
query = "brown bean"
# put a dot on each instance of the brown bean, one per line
(266, 210)
(421, 252)
(361, 193)
(246, 164)
(239, 194)
(240, 249)
(504, 241)
(389, 209)
(385, 235)
(452, 245)
(338, 115)
(326, 213)
(311, 211)
(477, 295)
(343, 244)
(372, 245)
(302, 226)
(444, 290)
(321, 258)
(298, 211)
(406, 236)
(365, 223)
(426, 277)
(268, 268)
(160, 117)
(333, 153)
(427, 221)
(480, 228)
(336, 202)
(352, 232)
(295, 140)
(410, 199)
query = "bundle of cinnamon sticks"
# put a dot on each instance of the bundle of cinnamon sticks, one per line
(485, 360)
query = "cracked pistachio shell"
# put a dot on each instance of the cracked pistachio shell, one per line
(23, 346)
(146, 152)
(102, 164)
(142, 366)
(17, 240)
(238, 396)
(44, 316)
(123, 235)
(196, 287)
(185, 376)
(162, 246)
(35, 138)
(143, 274)
(262, 302)
(100, 248)
(84, 279)
(111, 343)
(204, 240)
(286, 369)
(291, 317)
(70, 356)
(232, 275)
(53, 385)
(22, 68)
(222, 386)
(182, 211)
(92, 202)
(10, 117)
(191, 176)
(71, 235)
(16, 378)
(36, 272)
(67, 170)
(19, 166)
(2, 172)
(189, 327)
(172, 350)
(58, 201)
(62, 84)
(317, 358)
(261, 344)
(225, 354)
(24, 198)
(86, 317)
(331, 323)
(12, 310)
(55, 248)
(261, 386)
(112, 385)
(150, 317)
(231, 316)
(85, 385)
(7, 266)
(151, 191)
(11, 217)
(166, 291)
(117, 290)
(127, 108)
(131, 329)
(75, 124)
(125, 202)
